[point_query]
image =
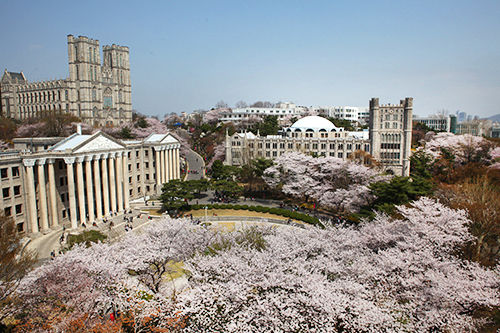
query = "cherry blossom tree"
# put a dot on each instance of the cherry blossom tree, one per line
(386, 275)
(219, 154)
(212, 117)
(332, 182)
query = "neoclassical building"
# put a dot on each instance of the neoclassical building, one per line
(97, 90)
(82, 178)
(388, 140)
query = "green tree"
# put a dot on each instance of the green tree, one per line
(141, 122)
(227, 172)
(198, 185)
(126, 133)
(346, 124)
(398, 191)
(269, 126)
(175, 193)
(228, 188)
(7, 129)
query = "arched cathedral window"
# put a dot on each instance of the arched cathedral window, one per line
(94, 94)
(108, 98)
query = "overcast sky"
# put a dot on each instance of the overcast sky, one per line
(187, 55)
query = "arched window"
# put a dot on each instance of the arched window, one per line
(108, 98)
(76, 53)
(120, 96)
(66, 96)
(94, 94)
(77, 73)
(78, 95)
(91, 74)
(95, 73)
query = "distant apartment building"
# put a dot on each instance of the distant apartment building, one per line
(447, 123)
(281, 110)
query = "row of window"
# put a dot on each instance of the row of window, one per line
(6, 191)
(4, 172)
(390, 146)
(237, 154)
(40, 97)
(323, 146)
(8, 210)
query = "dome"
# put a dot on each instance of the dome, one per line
(315, 123)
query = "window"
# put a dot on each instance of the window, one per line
(130, 180)
(340, 147)
(137, 153)
(275, 153)
(63, 213)
(138, 190)
(315, 146)
(63, 197)
(387, 125)
(332, 146)
(394, 125)
(282, 146)
(340, 155)
(275, 146)
(147, 189)
(19, 209)
(146, 164)
(349, 146)
(138, 178)
(332, 154)
(130, 167)
(268, 145)
(3, 173)
(108, 98)
(387, 117)
(8, 211)
(146, 153)
(15, 171)
(290, 146)
(61, 181)
(323, 146)
(6, 192)
(138, 166)
(17, 190)
(147, 177)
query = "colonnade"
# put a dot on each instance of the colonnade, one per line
(105, 173)
(167, 164)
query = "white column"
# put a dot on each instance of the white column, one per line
(71, 191)
(164, 178)
(177, 164)
(33, 216)
(119, 180)
(158, 170)
(98, 187)
(112, 181)
(171, 163)
(105, 184)
(126, 194)
(81, 190)
(44, 212)
(90, 193)
(54, 214)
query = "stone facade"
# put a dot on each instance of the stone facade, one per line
(388, 140)
(97, 92)
(82, 178)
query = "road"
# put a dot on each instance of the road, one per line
(195, 163)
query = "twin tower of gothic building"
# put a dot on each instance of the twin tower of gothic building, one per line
(97, 90)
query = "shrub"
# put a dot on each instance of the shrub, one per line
(244, 206)
(266, 209)
(252, 208)
(236, 207)
(216, 206)
(273, 210)
(229, 206)
(223, 206)
(195, 207)
(259, 209)
(210, 206)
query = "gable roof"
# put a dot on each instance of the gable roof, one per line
(161, 138)
(78, 143)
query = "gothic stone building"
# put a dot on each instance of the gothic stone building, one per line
(388, 140)
(50, 182)
(97, 90)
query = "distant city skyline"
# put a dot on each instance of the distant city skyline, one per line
(189, 55)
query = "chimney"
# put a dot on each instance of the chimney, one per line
(79, 129)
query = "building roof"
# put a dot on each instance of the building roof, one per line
(315, 123)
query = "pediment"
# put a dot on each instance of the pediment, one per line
(99, 143)
(169, 139)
